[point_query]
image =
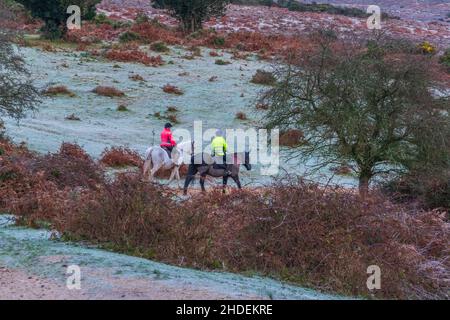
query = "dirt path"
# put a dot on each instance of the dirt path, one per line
(19, 285)
(34, 267)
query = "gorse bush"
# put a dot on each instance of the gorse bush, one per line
(54, 13)
(192, 13)
(159, 46)
(128, 36)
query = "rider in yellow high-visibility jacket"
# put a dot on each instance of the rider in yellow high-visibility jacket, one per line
(219, 149)
(219, 146)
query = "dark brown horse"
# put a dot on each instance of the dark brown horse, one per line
(206, 167)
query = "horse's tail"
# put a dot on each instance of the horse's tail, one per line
(148, 164)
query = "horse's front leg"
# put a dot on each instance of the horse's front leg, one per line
(238, 181)
(172, 174)
(225, 181)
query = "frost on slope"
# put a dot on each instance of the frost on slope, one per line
(214, 103)
(106, 272)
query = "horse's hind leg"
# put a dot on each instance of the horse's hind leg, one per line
(146, 168)
(238, 181)
(202, 182)
(189, 177)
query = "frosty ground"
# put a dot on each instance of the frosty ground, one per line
(215, 103)
(34, 267)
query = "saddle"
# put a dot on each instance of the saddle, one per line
(169, 152)
(220, 166)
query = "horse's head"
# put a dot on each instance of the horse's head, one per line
(247, 163)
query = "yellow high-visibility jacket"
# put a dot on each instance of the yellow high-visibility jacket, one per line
(218, 146)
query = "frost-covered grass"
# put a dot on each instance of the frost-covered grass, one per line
(215, 103)
(32, 250)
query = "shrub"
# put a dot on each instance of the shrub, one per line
(102, 18)
(221, 62)
(165, 174)
(120, 157)
(218, 41)
(342, 170)
(122, 108)
(445, 59)
(291, 138)
(168, 88)
(427, 48)
(137, 77)
(70, 167)
(262, 106)
(159, 46)
(430, 189)
(141, 17)
(196, 51)
(241, 116)
(129, 36)
(191, 14)
(134, 56)
(172, 118)
(53, 13)
(58, 90)
(108, 91)
(72, 117)
(172, 109)
(263, 77)
(153, 31)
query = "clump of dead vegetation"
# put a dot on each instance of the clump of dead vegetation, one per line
(263, 77)
(241, 116)
(291, 138)
(171, 89)
(58, 90)
(134, 55)
(72, 117)
(122, 108)
(120, 157)
(108, 91)
(137, 77)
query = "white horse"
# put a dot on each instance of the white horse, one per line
(156, 158)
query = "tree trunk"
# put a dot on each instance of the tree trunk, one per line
(364, 180)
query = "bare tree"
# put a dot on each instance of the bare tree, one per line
(373, 106)
(17, 93)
